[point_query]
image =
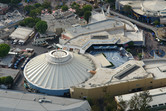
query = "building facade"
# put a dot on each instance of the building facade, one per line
(138, 76)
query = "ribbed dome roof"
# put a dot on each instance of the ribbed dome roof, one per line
(58, 69)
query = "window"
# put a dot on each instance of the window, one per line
(148, 106)
(154, 106)
(161, 104)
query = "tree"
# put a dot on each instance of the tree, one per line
(46, 4)
(37, 5)
(64, 8)
(80, 12)
(22, 23)
(87, 16)
(15, 1)
(94, 103)
(139, 55)
(87, 8)
(41, 26)
(111, 1)
(28, 8)
(5, 1)
(4, 49)
(74, 5)
(127, 9)
(33, 13)
(30, 22)
(37, 20)
(38, 10)
(140, 102)
(128, 50)
(131, 43)
(8, 80)
(3, 80)
(123, 104)
(156, 22)
(109, 103)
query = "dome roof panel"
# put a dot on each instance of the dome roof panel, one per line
(58, 69)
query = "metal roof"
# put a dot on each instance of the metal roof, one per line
(21, 101)
(157, 97)
(58, 69)
(21, 33)
(8, 72)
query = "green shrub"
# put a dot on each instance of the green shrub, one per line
(4, 49)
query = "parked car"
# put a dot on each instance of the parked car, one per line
(15, 42)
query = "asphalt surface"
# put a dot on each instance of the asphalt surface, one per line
(152, 44)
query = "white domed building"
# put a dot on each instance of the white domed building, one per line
(55, 72)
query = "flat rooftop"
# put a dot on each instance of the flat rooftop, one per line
(157, 96)
(111, 23)
(129, 71)
(104, 62)
(157, 67)
(8, 72)
(60, 20)
(21, 101)
(117, 31)
(21, 33)
(113, 38)
(5, 61)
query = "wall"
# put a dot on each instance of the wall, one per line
(54, 92)
(118, 89)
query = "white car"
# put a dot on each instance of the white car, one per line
(15, 41)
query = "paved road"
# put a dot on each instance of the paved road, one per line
(134, 21)
(152, 28)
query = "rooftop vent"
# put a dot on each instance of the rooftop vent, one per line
(125, 71)
(99, 37)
